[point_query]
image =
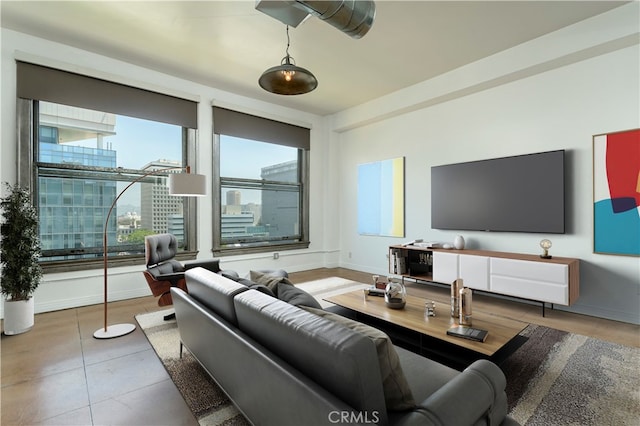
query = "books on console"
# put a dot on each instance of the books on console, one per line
(430, 244)
(475, 334)
(398, 263)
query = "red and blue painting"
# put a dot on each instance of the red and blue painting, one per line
(616, 193)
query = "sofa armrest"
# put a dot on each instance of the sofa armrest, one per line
(476, 395)
(212, 265)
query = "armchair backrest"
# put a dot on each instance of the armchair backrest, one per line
(159, 248)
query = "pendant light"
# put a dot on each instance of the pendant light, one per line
(287, 78)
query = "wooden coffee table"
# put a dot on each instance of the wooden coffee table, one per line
(412, 317)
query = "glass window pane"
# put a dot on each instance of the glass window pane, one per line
(280, 213)
(262, 205)
(247, 159)
(267, 215)
(73, 203)
(71, 135)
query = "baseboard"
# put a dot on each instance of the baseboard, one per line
(599, 312)
(77, 302)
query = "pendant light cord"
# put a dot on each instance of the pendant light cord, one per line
(288, 41)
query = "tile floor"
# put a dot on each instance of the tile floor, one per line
(58, 374)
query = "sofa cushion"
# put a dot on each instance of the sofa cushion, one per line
(397, 392)
(295, 296)
(214, 291)
(340, 360)
(269, 279)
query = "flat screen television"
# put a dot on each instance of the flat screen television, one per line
(523, 193)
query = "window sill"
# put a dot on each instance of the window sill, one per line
(98, 263)
(230, 251)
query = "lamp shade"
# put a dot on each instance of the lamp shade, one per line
(187, 184)
(288, 79)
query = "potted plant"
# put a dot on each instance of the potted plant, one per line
(20, 271)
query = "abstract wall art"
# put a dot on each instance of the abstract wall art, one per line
(381, 198)
(616, 193)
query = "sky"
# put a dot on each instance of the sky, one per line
(139, 142)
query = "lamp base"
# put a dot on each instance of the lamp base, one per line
(546, 256)
(114, 331)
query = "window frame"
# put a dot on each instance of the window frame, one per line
(218, 182)
(28, 173)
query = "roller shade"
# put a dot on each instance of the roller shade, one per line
(246, 126)
(67, 88)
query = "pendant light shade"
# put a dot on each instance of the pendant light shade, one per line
(287, 78)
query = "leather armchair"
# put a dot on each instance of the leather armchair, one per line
(164, 272)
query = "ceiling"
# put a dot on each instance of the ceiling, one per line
(228, 44)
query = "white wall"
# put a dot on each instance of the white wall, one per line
(552, 93)
(65, 290)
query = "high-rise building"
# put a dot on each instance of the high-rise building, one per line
(233, 205)
(175, 226)
(233, 198)
(280, 209)
(156, 205)
(236, 225)
(278, 215)
(72, 211)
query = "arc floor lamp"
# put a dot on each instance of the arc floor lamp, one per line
(180, 184)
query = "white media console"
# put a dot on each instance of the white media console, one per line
(525, 276)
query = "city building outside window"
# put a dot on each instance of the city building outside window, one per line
(81, 159)
(261, 184)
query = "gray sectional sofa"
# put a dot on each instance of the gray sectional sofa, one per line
(283, 364)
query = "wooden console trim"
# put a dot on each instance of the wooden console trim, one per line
(503, 255)
(572, 263)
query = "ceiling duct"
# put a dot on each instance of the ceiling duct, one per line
(352, 17)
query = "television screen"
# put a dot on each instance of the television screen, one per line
(524, 193)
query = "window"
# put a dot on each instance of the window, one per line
(261, 182)
(82, 159)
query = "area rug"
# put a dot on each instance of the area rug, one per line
(327, 287)
(561, 378)
(553, 378)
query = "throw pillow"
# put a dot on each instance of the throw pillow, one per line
(271, 281)
(261, 288)
(397, 393)
(232, 275)
(295, 295)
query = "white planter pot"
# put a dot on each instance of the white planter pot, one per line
(18, 316)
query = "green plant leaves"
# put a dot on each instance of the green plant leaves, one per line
(19, 245)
